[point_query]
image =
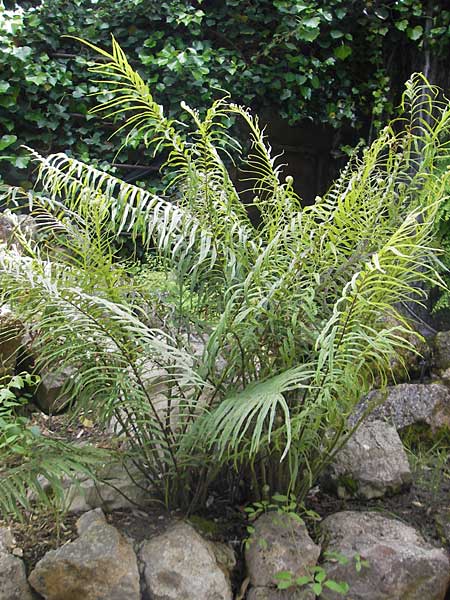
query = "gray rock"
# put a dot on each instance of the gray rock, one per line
(267, 593)
(441, 353)
(400, 564)
(87, 520)
(12, 225)
(279, 543)
(50, 395)
(442, 520)
(126, 492)
(409, 404)
(180, 565)
(99, 565)
(7, 541)
(10, 340)
(408, 362)
(84, 494)
(13, 579)
(372, 464)
(225, 557)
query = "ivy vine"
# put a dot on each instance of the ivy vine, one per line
(335, 62)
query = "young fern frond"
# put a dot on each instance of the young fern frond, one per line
(24, 483)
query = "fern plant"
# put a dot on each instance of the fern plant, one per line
(245, 374)
(31, 461)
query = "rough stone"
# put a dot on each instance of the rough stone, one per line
(180, 565)
(225, 557)
(10, 340)
(371, 465)
(408, 363)
(99, 565)
(442, 520)
(7, 541)
(13, 579)
(49, 395)
(93, 517)
(267, 593)
(400, 564)
(87, 494)
(279, 543)
(409, 404)
(441, 353)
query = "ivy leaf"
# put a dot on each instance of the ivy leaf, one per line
(415, 33)
(7, 140)
(37, 79)
(22, 53)
(342, 52)
(401, 25)
(311, 23)
(21, 162)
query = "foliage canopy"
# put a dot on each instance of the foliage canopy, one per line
(334, 62)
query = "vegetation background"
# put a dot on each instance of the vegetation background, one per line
(335, 67)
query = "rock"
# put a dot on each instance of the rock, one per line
(13, 579)
(225, 557)
(180, 565)
(10, 340)
(87, 494)
(441, 353)
(99, 565)
(12, 226)
(93, 517)
(279, 543)
(409, 404)
(84, 494)
(400, 564)
(267, 593)
(50, 396)
(371, 465)
(442, 520)
(408, 363)
(7, 541)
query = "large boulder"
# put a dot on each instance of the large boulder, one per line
(279, 543)
(180, 565)
(409, 404)
(10, 340)
(399, 564)
(99, 565)
(372, 464)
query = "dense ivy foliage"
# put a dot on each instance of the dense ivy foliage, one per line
(334, 62)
